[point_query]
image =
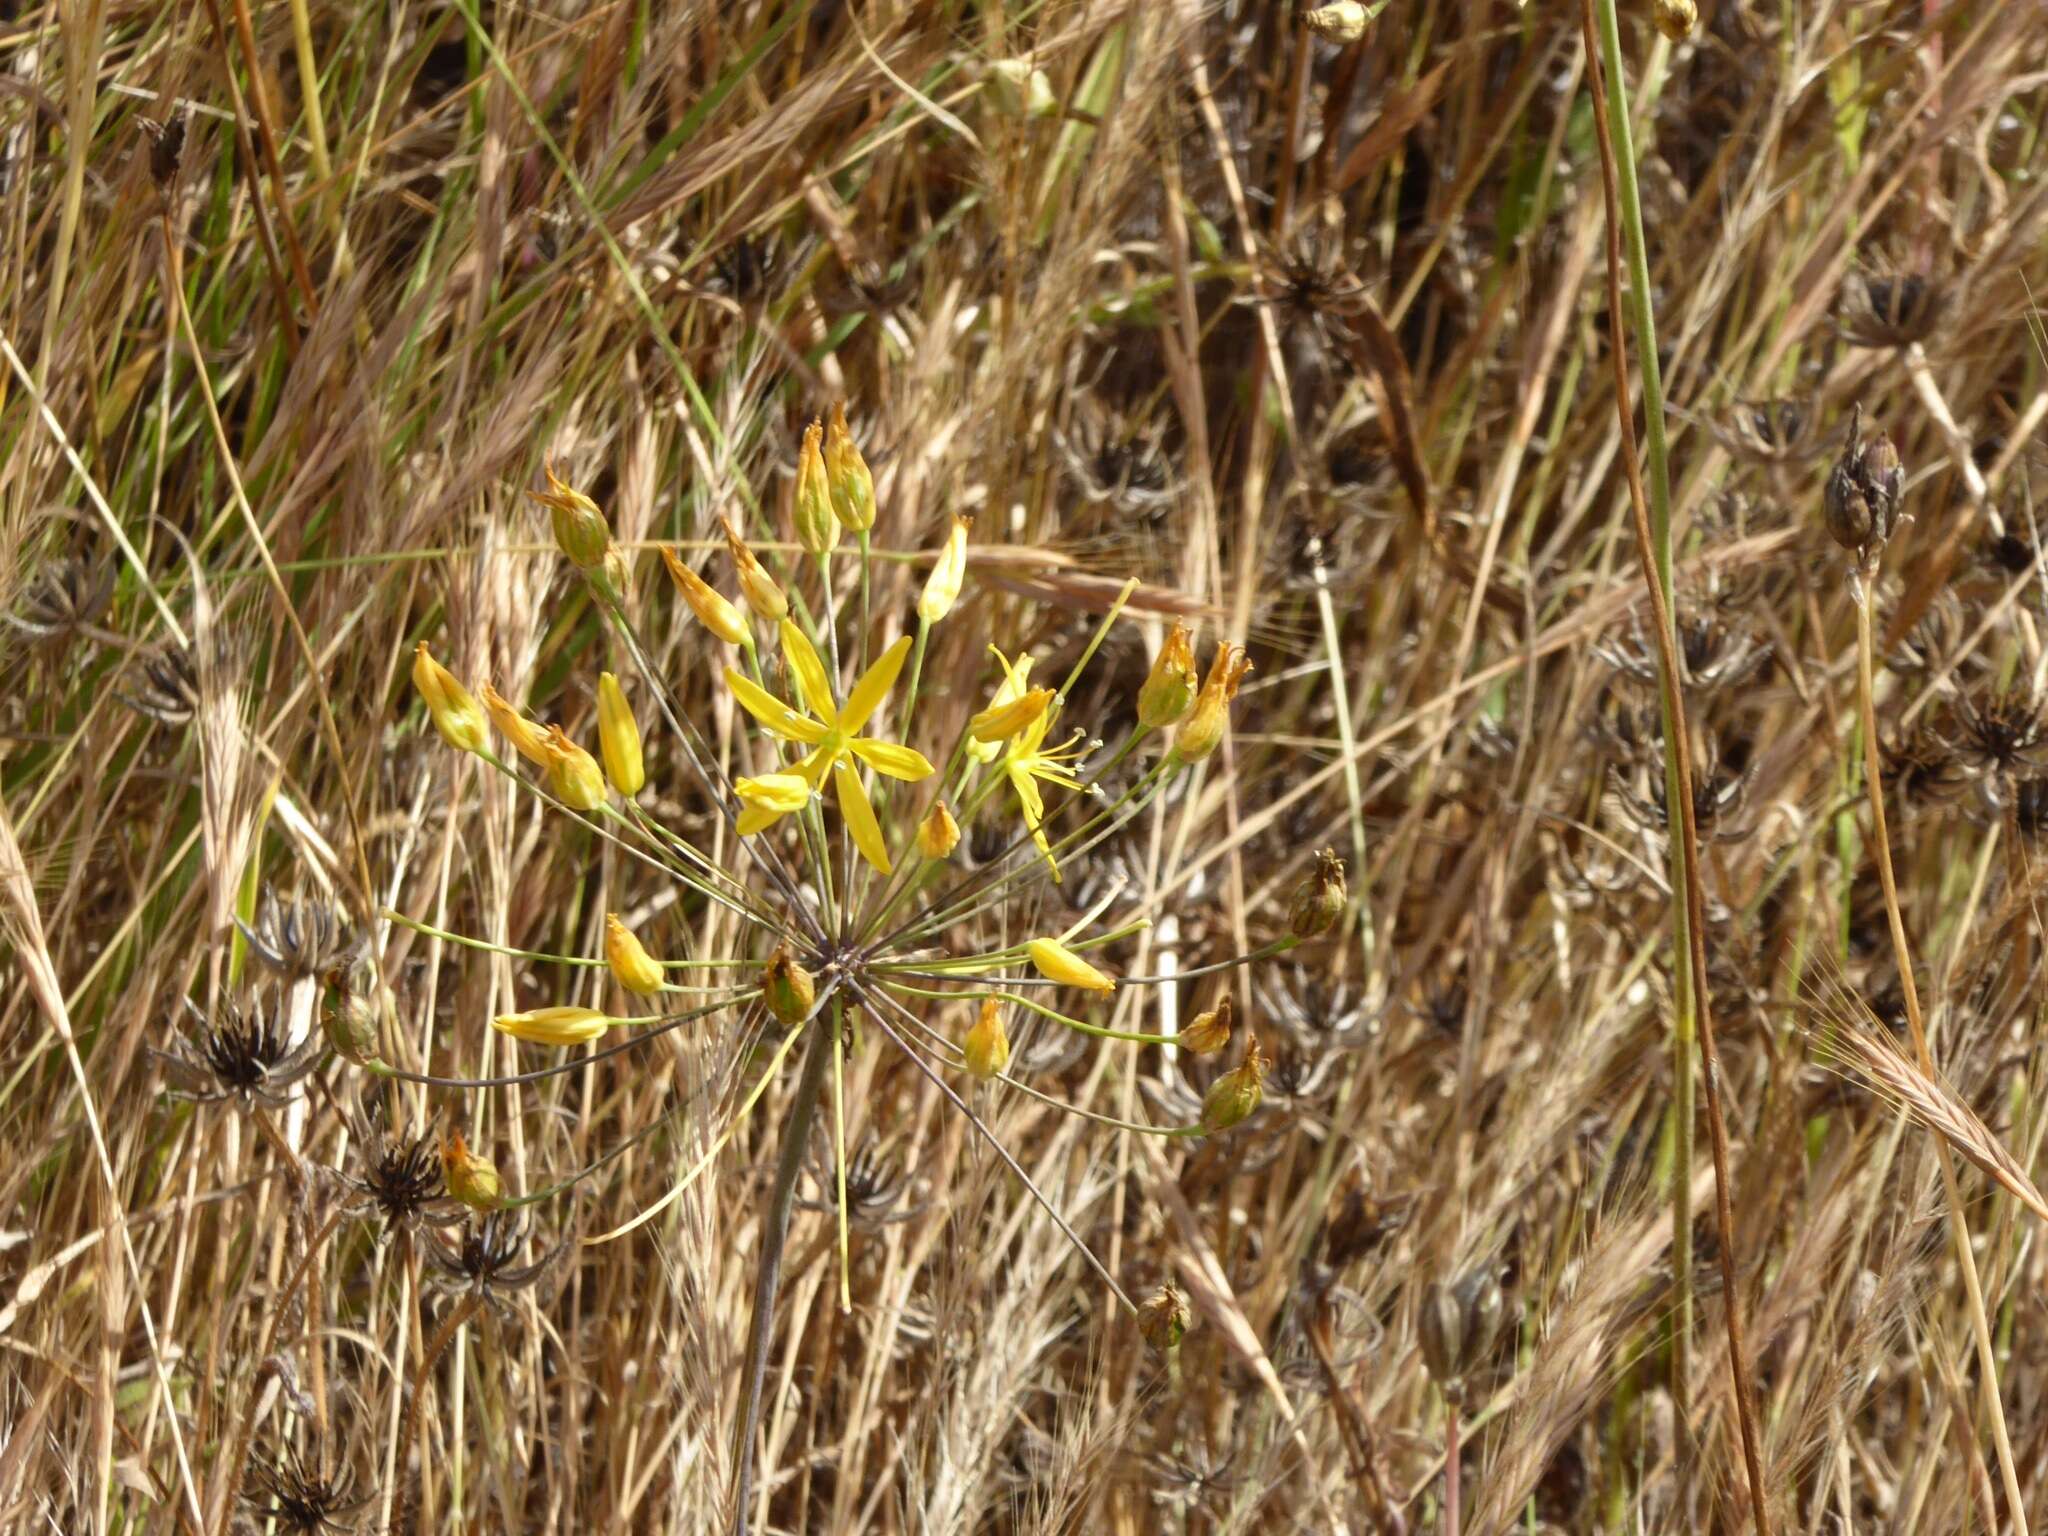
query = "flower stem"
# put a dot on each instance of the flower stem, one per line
(796, 1135)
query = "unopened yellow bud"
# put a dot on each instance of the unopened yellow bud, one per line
(938, 834)
(553, 1026)
(756, 585)
(1209, 1032)
(852, 487)
(573, 773)
(999, 722)
(817, 530)
(1320, 899)
(1058, 963)
(1168, 692)
(788, 988)
(1204, 730)
(942, 587)
(987, 1046)
(636, 970)
(618, 737)
(580, 529)
(528, 739)
(714, 611)
(471, 1177)
(455, 714)
(1236, 1093)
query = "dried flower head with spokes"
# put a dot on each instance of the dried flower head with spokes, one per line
(1893, 311)
(241, 1053)
(299, 936)
(63, 598)
(296, 1495)
(853, 907)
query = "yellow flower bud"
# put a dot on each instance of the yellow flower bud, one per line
(942, 587)
(1058, 963)
(553, 1026)
(987, 1046)
(1209, 1032)
(938, 834)
(817, 530)
(618, 737)
(756, 585)
(999, 722)
(449, 705)
(637, 971)
(714, 611)
(580, 529)
(470, 1177)
(528, 739)
(1169, 691)
(1163, 1318)
(1204, 730)
(1320, 899)
(787, 987)
(573, 773)
(852, 487)
(1236, 1093)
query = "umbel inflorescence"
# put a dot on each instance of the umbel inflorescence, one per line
(845, 819)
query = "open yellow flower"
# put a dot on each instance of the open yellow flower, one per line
(1029, 760)
(832, 732)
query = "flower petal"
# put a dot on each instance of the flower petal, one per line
(859, 815)
(775, 716)
(898, 762)
(813, 685)
(873, 687)
(757, 818)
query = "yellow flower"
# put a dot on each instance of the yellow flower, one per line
(942, 587)
(1029, 760)
(637, 971)
(573, 773)
(454, 712)
(817, 530)
(852, 487)
(580, 529)
(618, 737)
(528, 739)
(713, 609)
(1169, 691)
(553, 1026)
(832, 732)
(769, 798)
(1016, 680)
(938, 834)
(999, 722)
(1058, 963)
(987, 1046)
(1204, 730)
(756, 585)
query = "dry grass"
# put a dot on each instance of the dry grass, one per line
(651, 242)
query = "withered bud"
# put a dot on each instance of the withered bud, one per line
(472, 1178)
(1209, 1032)
(788, 988)
(1861, 502)
(938, 834)
(1458, 1324)
(1163, 1318)
(167, 146)
(1343, 22)
(1235, 1094)
(1320, 899)
(350, 1015)
(1676, 18)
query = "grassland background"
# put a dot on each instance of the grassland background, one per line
(1128, 336)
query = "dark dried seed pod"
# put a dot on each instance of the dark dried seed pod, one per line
(1892, 311)
(166, 146)
(1861, 501)
(1457, 1327)
(62, 598)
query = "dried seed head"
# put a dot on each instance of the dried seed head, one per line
(636, 970)
(1676, 18)
(938, 834)
(166, 146)
(1169, 690)
(1320, 899)
(1457, 1327)
(1234, 1095)
(1209, 1032)
(987, 1046)
(1163, 1318)
(472, 1178)
(788, 988)
(1861, 502)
